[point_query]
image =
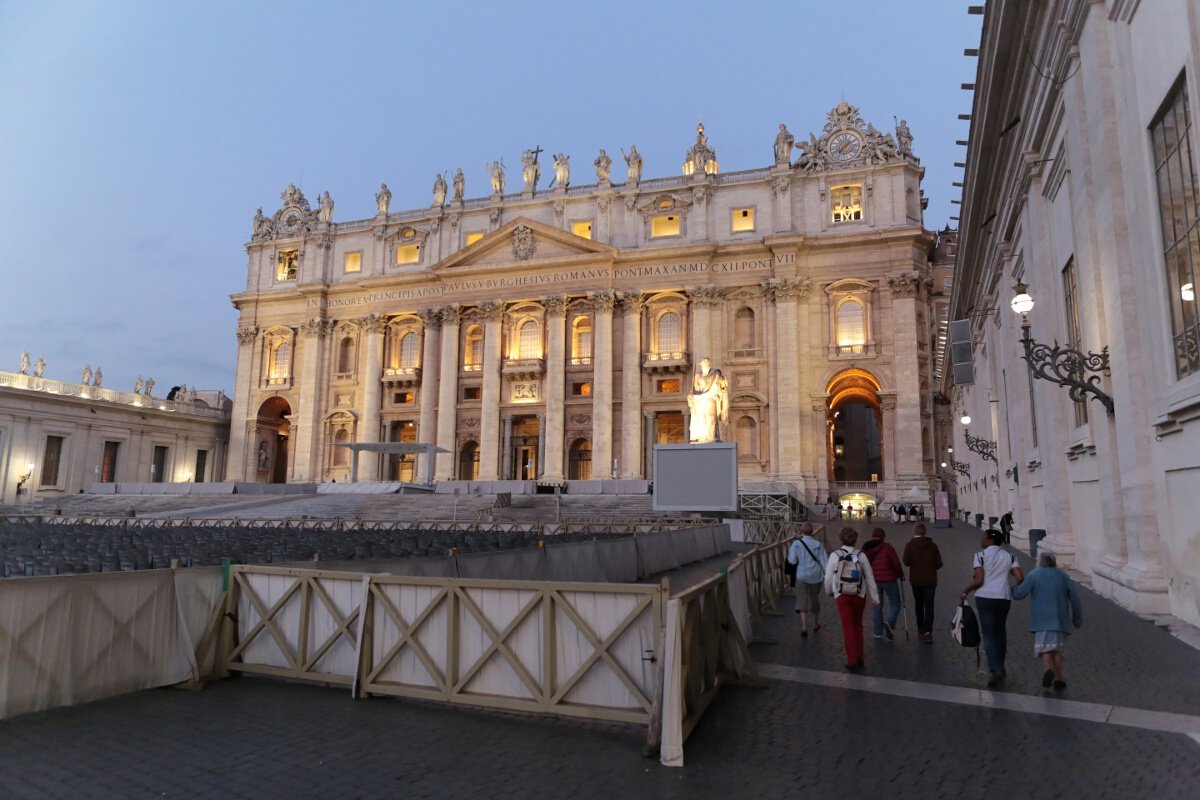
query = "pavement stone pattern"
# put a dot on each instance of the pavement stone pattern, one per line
(258, 738)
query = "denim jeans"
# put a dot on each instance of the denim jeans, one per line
(923, 607)
(993, 619)
(889, 595)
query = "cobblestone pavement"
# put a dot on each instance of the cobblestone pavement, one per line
(264, 739)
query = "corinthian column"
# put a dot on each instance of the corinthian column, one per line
(555, 394)
(602, 384)
(908, 290)
(429, 385)
(447, 407)
(787, 292)
(489, 423)
(236, 468)
(372, 329)
(704, 299)
(631, 387)
(306, 447)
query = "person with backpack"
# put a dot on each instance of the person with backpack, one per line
(888, 572)
(993, 598)
(1054, 608)
(923, 559)
(848, 578)
(809, 557)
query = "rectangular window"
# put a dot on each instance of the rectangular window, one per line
(287, 265)
(668, 386)
(473, 237)
(1074, 337)
(201, 465)
(583, 389)
(742, 219)
(403, 398)
(108, 462)
(408, 254)
(50, 461)
(472, 393)
(352, 262)
(846, 203)
(1179, 209)
(582, 227)
(158, 466)
(947, 283)
(665, 225)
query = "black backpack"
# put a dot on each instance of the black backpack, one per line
(964, 627)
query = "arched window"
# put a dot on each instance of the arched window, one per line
(409, 351)
(747, 438)
(341, 455)
(281, 360)
(530, 340)
(473, 348)
(581, 342)
(669, 332)
(851, 326)
(743, 330)
(345, 362)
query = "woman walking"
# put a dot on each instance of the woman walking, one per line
(993, 598)
(1053, 608)
(849, 580)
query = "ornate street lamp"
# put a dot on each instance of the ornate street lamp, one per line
(961, 468)
(986, 448)
(1062, 365)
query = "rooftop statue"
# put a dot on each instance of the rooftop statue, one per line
(497, 173)
(562, 170)
(439, 191)
(39, 368)
(783, 145)
(904, 139)
(326, 212)
(24, 363)
(460, 185)
(603, 167)
(531, 171)
(383, 199)
(634, 161)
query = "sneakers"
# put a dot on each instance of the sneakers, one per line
(879, 636)
(1060, 685)
(856, 666)
(887, 631)
(995, 679)
(927, 638)
(1047, 678)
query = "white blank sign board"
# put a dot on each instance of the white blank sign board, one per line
(695, 477)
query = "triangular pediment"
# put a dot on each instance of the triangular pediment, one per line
(523, 241)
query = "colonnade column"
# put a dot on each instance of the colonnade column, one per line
(372, 329)
(489, 423)
(447, 405)
(631, 387)
(786, 293)
(236, 464)
(556, 359)
(306, 449)
(602, 388)
(429, 386)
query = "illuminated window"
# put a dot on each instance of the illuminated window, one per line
(582, 389)
(410, 350)
(582, 228)
(743, 330)
(664, 225)
(287, 265)
(352, 262)
(529, 340)
(851, 326)
(581, 342)
(473, 349)
(345, 362)
(742, 219)
(280, 361)
(669, 333)
(408, 254)
(404, 398)
(668, 386)
(473, 237)
(847, 203)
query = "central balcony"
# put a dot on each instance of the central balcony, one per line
(667, 362)
(525, 369)
(402, 376)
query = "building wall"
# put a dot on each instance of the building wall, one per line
(791, 270)
(1061, 171)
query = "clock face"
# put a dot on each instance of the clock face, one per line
(844, 146)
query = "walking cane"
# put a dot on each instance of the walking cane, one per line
(904, 608)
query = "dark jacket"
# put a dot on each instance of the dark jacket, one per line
(923, 559)
(884, 561)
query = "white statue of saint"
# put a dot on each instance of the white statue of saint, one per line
(39, 368)
(24, 363)
(86, 377)
(783, 145)
(326, 212)
(383, 199)
(137, 385)
(497, 172)
(562, 170)
(439, 191)
(708, 404)
(149, 387)
(634, 161)
(603, 167)
(531, 172)
(98, 378)
(460, 184)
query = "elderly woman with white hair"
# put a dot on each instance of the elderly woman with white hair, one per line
(1054, 609)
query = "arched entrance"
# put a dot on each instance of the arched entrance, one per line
(468, 462)
(579, 461)
(524, 453)
(271, 441)
(402, 467)
(854, 419)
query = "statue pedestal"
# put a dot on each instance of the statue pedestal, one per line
(695, 477)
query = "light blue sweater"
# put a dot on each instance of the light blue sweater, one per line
(1055, 602)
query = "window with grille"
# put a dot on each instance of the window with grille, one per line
(410, 350)
(669, 333)
(530, 340)
(851, 326)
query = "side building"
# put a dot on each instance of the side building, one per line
(552, 335)
(1079, 253)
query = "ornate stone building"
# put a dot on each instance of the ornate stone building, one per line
(551, 334)
(1082, 168)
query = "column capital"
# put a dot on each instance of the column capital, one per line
(431, 318)
(906, 284)
(316, 327)
(706, 295)
(451, 314)
(493, 310)
(633, 302)
(556, 305)
(370, 323)
(777, 289)
(247, 335)
(603, 300)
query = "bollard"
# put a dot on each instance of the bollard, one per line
(979, 520)
(1035, 537)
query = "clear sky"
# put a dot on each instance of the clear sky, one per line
(138, 138)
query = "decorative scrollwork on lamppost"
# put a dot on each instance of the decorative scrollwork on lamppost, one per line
(961, 468)
(1065, 366)
(986, 448)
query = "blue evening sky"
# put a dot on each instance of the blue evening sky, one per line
(138, 138)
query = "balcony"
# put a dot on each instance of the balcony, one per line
(525, 369)
(675, 361)
(402, 376)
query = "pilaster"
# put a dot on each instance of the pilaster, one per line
(602, 388)
(447, 406)
(556, 357)
(489, 423)
(306, 446)
(244, 381)
(632, 306)
(430, 371)
(372, 328)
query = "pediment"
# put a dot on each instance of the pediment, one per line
(523, 241)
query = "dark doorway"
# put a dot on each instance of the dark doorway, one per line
(108, 462)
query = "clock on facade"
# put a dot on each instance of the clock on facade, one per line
(844, 146)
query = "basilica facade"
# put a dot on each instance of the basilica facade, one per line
(552, 335)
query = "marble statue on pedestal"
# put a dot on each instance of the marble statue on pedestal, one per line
(98, 378)
(86, 377)
(562, 170)
(149, 387)
(383, 199)
(137, 385)
(603, 167)
(783, 145)
(460, 185)
(39, 368)
(497, 174)
(326, 212)
(634, 160)
(24, 363)
(708, 404)
(531, 171)
(904, 139)
(439, 191)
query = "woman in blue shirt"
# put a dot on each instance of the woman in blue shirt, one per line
(1054, 608)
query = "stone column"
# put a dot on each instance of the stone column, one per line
(648, 453)
(506, 453)
(555, 393)
(631, 387)
(447, 408)
(430, 371)
(372, 329)
(305, 441)
(704, 299)
(907, 291)
(236, 463)
(787, 292)
(541, 455)
(489, 422)
(602, 385)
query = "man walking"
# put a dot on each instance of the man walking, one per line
(923, 559)
(809, 557)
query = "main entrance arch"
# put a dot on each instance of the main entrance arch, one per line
(271, 441)
(854, 421)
